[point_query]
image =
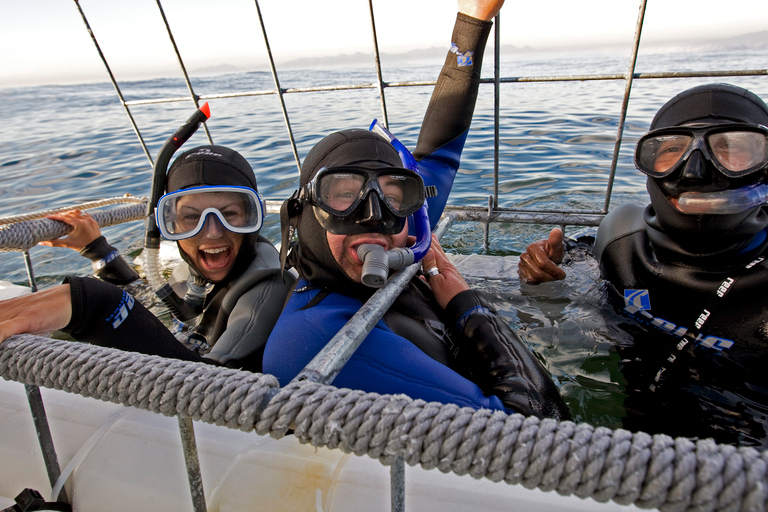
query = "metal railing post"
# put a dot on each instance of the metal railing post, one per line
(279, 91)
(377, 58)
(114, 84)
(37, 408)
(624, 104)
(496, 109)
(187, 431)
(40, 420)
(192, 94)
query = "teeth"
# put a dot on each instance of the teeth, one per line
(215, 251)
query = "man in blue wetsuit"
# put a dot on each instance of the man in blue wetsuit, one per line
(690, 271)
(439, 341)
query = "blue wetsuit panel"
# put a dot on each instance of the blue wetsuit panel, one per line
(439, 168)
(385, 363)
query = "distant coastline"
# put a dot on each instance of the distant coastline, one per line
(752, 41)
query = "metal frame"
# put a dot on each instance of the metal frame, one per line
(328, 363)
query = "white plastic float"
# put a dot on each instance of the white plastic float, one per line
(130, 459)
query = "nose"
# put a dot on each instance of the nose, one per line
(372, 211)
(212, 228)
(697, 167)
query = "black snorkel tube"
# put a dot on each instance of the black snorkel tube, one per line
(179, 308)
(376, 261)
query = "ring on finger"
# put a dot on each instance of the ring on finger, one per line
(430, 272)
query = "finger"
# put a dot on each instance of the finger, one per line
(428, 263)
(53, 243)
(556, 248)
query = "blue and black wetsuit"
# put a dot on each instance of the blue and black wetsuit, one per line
(465, 354)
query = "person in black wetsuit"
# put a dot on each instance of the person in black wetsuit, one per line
(689, 271)
(213, 211)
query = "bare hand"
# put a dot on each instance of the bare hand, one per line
(449, 282)
(85, 231)
(480, 9)
(538, 264)
(39, 312)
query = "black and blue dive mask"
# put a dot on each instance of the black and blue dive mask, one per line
(349, 200)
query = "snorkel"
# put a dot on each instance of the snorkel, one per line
(724, 202)
(376, 261)
(190, 307)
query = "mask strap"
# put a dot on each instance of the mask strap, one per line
(289, 216)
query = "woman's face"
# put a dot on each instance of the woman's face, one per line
(214, 249)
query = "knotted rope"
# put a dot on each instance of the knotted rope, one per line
(571, 459)
(23, 232)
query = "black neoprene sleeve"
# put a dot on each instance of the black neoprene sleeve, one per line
(108, 264)
(500, 362)
(450, 119)
(105, 315)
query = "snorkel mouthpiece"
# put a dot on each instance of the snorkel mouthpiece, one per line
(724, 202)
(376, 261)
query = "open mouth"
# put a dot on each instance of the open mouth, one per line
(217, 257)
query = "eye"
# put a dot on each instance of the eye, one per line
(395, 201)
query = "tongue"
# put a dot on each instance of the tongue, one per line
(215, 260)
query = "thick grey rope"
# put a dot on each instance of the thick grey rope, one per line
(571, 459)
(127, 198)
(24, 235)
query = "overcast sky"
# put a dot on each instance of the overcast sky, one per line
(45, 41)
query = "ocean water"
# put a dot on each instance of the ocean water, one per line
(67, 144)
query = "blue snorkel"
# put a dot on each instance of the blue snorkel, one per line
(376, 261)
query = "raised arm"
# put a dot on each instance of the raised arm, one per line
(449, 113)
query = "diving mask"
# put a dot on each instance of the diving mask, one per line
(346, 198)
(735, 149)
(183, 213)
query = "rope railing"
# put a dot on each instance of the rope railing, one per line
(22, 232)
(568, 458)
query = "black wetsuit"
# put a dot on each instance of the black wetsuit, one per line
(695, 360)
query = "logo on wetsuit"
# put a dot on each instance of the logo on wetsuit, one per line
(462, 59)
(637, 303)
(121, 312)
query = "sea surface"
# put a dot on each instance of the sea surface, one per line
(66, 144)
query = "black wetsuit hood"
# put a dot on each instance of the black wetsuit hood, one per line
(681, 236)
(215, 165)
(312, 256)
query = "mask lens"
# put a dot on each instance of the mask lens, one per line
(402, 192)
(738, 151)
(658, 155)
(341, 190)
(183, 214)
